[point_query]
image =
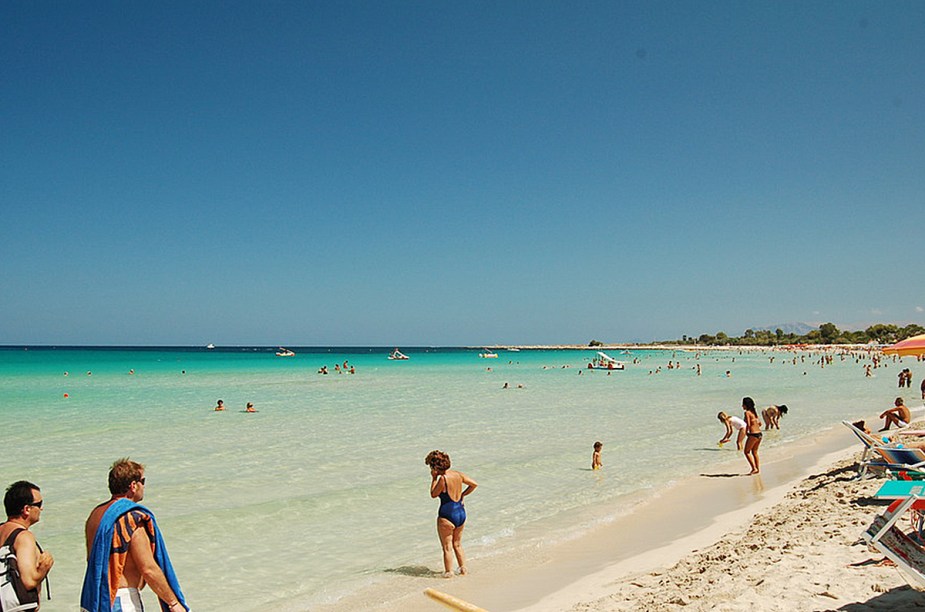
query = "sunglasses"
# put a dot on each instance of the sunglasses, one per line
(141, 480)
(37, 504)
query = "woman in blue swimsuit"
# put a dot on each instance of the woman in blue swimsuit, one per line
(448, 484)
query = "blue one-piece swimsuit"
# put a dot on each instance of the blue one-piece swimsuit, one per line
(453, 511)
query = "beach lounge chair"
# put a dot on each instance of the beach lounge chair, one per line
(869, 458)
(901, 463)
(900, 489)
(885, 536)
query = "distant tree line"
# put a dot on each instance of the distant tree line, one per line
(827, 333)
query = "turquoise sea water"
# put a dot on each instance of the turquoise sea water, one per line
(324, 490)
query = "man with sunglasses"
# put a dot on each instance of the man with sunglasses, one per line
(23, 505)
(125, 550)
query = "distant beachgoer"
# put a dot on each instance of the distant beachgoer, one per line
(902, 379)
(772, 415)
(250, 407)
(752, 435)
(728, 374)
(862, 426)
(506, 386)
(596, 456)
(899, 415)
(448, 484)
(219, 406)
(732, 423)
(923, 388)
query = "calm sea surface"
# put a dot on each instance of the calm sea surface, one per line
(324, 490)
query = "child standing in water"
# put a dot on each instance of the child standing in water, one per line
(732, 424)
(596, 456)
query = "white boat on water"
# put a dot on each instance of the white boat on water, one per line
(603, 361)
(210, 346)
(488, 355)
(397, 355)
(284, 352)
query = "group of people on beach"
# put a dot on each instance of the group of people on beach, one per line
(905, 380)
(125, 548)
(749, 435)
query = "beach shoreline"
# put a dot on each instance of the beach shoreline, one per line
(688, 348)
(694, 513)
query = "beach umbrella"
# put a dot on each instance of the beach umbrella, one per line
(910, 346)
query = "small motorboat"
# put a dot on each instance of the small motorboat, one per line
(488, 355)
(397, 355)
(603, 361)
(210, 346)
(284, 352)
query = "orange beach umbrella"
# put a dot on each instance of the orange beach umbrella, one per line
(910, 346)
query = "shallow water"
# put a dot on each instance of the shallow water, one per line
(324, 490)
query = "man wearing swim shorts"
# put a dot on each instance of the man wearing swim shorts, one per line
(132, 562)
(899, 415)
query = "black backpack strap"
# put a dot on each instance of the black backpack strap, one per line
(12, 537)
(9, 542)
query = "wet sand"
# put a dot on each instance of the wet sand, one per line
(624, 565)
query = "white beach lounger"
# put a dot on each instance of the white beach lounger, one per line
(869, 458)
(885, 536)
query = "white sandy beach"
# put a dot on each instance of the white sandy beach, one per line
(803, 553)
(786, 540)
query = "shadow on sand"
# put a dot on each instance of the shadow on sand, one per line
(723, 475)
(415, 571)
(900, 598)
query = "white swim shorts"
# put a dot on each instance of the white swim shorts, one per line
(128, 600)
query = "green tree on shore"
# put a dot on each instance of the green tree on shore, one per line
(827, 333)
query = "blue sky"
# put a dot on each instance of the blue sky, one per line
(437, 173)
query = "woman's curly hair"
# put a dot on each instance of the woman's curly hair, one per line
(438, 460)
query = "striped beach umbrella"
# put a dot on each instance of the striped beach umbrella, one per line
(910, 346)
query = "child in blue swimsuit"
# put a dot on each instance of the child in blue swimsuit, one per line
(448, 484)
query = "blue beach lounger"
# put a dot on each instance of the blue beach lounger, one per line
(902, 459)
(899, 463)
(900, 489)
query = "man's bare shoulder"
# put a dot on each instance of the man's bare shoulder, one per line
(24, 537)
